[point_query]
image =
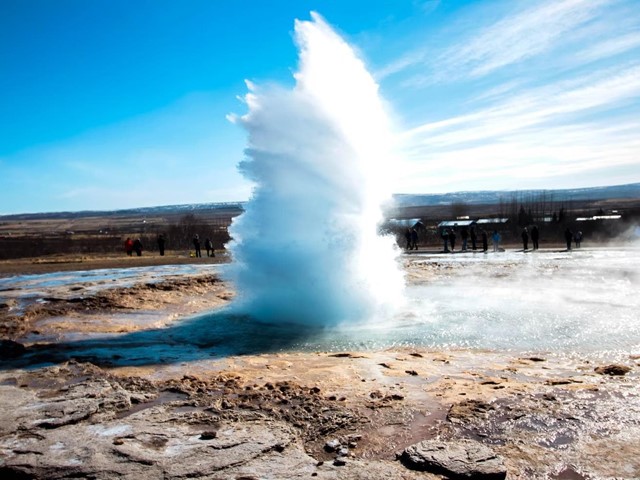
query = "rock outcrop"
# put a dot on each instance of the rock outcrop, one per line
(460, 459)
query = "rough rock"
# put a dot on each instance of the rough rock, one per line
(613, 369)
(332, 445)
(89, 430)
(461, 459)
(340, 462)
(56, 425)
(468, 409)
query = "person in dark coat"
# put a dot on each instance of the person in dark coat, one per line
(445, 238)
(161, 242)
(525, 239)
(568, 236)
(414, 239)
(465, 235)
(407, 237)
(196, 246)
(137, 246)
(534, 237)
(452, 239)
(208, 246)
(485, 241)
(474, 237)
(578, 239)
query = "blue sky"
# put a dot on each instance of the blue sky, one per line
(117, 104)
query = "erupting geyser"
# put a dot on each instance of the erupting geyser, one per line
(306, 250)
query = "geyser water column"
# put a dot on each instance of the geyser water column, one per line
(306, 250)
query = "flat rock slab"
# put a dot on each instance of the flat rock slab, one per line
(460, 459)
(93, 429)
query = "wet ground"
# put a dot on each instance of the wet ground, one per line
(505, 349)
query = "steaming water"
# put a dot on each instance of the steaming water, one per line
(584, 301)
(580, 301)
(306, 250)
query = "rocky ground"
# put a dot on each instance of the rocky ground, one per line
(78, 309)
(393, 414)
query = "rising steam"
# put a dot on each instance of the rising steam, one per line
(306, 250)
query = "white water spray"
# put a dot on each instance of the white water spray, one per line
(306, 250)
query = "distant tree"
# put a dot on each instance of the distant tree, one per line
(502, 208)
(522, 217)
(179, 234)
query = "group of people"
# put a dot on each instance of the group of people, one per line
(208, 246)
(131, 246)
(411, 236)
(535, 236)
(449, 237)
(569, 236)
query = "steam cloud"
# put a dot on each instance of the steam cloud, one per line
(306, 250)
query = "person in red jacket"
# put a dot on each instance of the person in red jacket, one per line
(128, 246)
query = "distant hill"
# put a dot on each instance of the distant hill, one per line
(486, 197)
(232, 208)
(492, 197)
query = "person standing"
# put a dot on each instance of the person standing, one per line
(445, 238)
(534, 236)
(128, 246)
(485, 241)
(465, 235)
(496, 240)
(568, 236)
(474, 237)
(452, 239)
(414, 239)
(196, 246)
(578, 239)
(525, 239)
(137, 246)
(161, 241)
(208, 246)
(407, 238)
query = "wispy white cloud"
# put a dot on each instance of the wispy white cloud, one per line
(497, 92)
(533, 107)
(401, 63)
(521, 36)
(609, 48)
(571, 131)
(538, 159)
(517, 36)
